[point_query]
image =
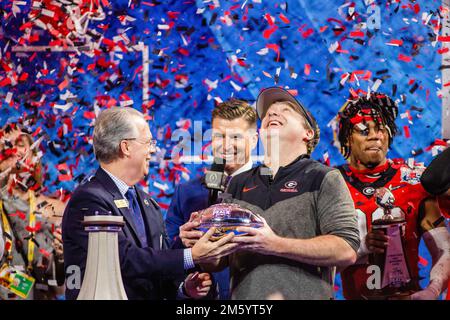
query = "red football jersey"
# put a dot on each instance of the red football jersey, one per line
(404, 183)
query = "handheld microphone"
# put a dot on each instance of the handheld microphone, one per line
(215, 179)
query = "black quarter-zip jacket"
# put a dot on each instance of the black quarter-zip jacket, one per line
(305, 199)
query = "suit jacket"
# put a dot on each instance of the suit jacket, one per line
(147, 272)
(188, 197)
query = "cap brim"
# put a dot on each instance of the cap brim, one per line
(269, 96)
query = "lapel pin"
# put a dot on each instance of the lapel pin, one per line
(146, 202)
(121, 203)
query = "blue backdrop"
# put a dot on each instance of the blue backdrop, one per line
(202, 52)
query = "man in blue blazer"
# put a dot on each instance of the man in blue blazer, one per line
(123, 145)
(234, 136)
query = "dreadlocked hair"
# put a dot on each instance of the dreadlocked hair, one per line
(382, 109)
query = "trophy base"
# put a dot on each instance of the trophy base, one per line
(380, 295)
(223, 229)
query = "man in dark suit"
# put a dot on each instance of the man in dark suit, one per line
(123, 145)
(234, 136)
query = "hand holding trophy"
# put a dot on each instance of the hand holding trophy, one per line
(395, 276)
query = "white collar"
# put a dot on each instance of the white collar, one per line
(121, 185)
(244, 168)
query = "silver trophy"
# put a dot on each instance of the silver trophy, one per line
(395, 276)
(226, 217)
(102, 278)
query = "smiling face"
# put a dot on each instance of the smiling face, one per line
(283, 121)
(139, 151)
(23, 146)
(233, 140)
(369, 144)
(21, 150)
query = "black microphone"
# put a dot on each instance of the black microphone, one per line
(215, 179)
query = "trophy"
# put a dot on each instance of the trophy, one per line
(226, 217)
(102, 278)
(395, 276)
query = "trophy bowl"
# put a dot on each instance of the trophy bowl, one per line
(226, 217)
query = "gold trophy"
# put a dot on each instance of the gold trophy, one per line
(395, 279)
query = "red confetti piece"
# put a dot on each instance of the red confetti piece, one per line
(62, 166)
(64, 177)
(124, 97)
(173, 14)
(36, 228)
(274, 47)
(36, 132)
(63, 84)
(284, 18)
(32, 56)
(23, 76)
(268, 32)
(44, 252)
(111, 44)
(20, 214)
(307, 69)
(423, 261)
(443, 50)
(437, 142)
(357, 33)
(5, 82)
(164, 206)
(26, 25)
(183, 51)
(404, 58)
(443, 38)
(89, 115)
(406, 131)
(307, 33)
(269, 19)
(396, 42)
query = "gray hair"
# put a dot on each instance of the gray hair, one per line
(111, 127)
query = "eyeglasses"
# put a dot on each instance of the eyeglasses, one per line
(151, 144)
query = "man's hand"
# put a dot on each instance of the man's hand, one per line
(58, 243)
(262, 240)
(207, 251)
(431, 292)
(376, 241)
(10, 163)
(188, 235)
(197, 285)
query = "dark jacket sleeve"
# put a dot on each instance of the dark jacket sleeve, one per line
(135, 262)
(336, 210)
(436, 178)
(175, 219)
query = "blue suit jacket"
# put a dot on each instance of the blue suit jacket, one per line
(188, 197)
(147, 272)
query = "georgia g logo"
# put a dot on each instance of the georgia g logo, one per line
(290, 184)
